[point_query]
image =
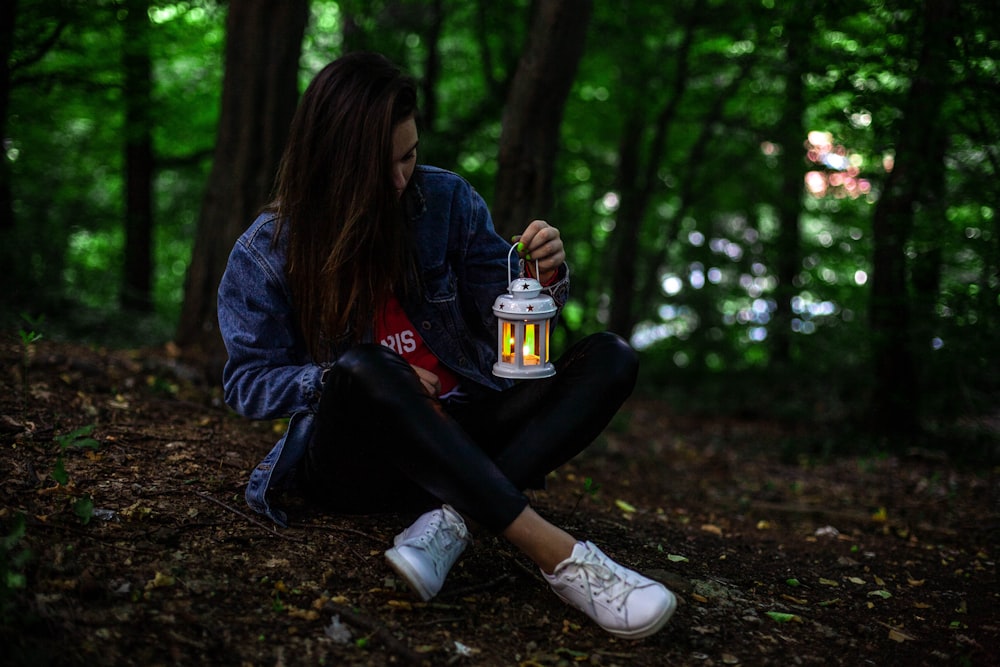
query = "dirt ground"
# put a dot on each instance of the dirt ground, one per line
(145, 553)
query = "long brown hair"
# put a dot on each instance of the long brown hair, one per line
(348, 246)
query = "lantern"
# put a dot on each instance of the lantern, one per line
(524, 320)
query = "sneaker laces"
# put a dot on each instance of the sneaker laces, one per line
(604, 577)
(441, 534)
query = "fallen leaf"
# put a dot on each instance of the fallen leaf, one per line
(828, 582)
(624, 506)
(159, 580)
(782, 617)
(794, 600)
(676, 558)
(699, 598)
(882, 593)
(711, 528)
(856, 580)
(400, 604)
(881, 515)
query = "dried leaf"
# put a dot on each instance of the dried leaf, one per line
(160, 580)
(676, 558)
(624, 506)
(882, 593)
(856, 580)
(828, 582)
(794, 599)
(711, 528)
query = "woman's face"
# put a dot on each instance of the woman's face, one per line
(404, 153)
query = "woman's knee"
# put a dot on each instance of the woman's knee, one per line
(367, 369)
(615, 358)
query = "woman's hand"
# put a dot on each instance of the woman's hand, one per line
(540, 242)
(430, 381)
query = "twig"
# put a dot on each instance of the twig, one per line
(249, 518)
(377, 631)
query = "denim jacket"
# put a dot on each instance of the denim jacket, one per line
(269, 373)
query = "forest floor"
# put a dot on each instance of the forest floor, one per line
(145, 554)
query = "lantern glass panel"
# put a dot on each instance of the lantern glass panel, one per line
(532, 342)
(545, 325)
(508, 343)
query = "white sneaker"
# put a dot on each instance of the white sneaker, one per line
(621, 601)
(424, 553)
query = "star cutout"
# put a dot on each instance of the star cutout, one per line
(530, 308)
(525, 286)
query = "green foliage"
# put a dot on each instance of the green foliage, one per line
(697, 92)
(83, 507)
(14, 557)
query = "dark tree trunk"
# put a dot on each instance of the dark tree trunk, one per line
(792, 134)
(259, 94)
(636, 183)
(137, 278)
(895, 407)
(8, 13)
(534, 110)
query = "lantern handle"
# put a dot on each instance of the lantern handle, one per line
(520, 266)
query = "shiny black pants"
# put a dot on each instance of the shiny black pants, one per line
(381, 444)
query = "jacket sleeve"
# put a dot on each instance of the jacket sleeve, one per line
(268, 374)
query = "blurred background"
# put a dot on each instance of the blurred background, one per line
(789, 208)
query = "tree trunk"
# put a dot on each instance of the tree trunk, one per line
(533, 112)
(8, 13)
(636, 183)
(259, 94)
(137, 277)
(792, 134)
(895, 406)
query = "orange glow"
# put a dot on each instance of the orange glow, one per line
(509, 343)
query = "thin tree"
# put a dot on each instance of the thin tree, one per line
(8, 12)
(136, 291)
(791, 132)
(259, 94)
(534, 110)
(920, 145)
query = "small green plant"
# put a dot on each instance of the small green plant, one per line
(79, 438)
(590, 487)
(29, 337)
(13, 558)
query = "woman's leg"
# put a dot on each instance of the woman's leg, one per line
(382, 443)
(535, 427)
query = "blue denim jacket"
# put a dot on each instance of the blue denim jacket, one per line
(269, 373)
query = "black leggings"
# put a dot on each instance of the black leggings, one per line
(382, 444)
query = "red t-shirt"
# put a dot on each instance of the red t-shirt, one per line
(396, 332)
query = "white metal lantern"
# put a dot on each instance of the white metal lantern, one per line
(524, 320)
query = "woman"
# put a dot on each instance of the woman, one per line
(360, 304)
